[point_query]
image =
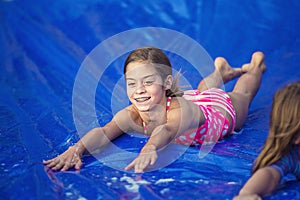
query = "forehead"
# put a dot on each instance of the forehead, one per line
(138, 69)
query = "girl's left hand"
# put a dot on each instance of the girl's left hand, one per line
(147, 157)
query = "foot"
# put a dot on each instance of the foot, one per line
(257, 62)
(245, 67)
(227, 72)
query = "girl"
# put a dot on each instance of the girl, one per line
(161, 111)
(281, 151)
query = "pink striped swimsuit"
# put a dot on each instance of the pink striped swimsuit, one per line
(216, 125)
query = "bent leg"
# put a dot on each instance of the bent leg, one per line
(246, 87)
(222, 74)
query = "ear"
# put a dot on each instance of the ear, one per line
(168, 82)
(297, 138)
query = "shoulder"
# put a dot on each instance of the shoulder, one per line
(185, 106)
(127, 114)
(179, 106)
(181, 102)
(126, 118)
(186, 112)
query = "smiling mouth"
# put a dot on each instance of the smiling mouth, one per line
(142, 99)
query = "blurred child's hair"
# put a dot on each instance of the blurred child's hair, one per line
(153, 55)
(284, 125)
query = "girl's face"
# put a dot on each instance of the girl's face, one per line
(145, 87)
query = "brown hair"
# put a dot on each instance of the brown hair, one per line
(153, 55)
(284, 125)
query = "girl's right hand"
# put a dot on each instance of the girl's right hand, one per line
(70, 158)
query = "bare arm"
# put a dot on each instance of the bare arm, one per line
(94, 139)
(264, 181)
(99, 137)
(179, 121)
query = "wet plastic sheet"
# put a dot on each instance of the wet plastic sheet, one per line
(43, 44)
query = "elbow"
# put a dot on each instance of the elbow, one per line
(170, 132)
(163, 134)
(263, 182)
(271, 178)
(274, 177)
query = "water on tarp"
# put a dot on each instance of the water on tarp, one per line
(43, 44)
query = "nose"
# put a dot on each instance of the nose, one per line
(140, 88)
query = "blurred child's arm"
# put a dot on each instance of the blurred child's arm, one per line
(264, 181)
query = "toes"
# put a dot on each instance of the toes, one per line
(220, 62)
(245, 67)
(237, 72)
(259, 55)
(258, 60)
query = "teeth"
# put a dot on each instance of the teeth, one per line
(142, 99)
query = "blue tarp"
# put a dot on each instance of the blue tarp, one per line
(43, 46)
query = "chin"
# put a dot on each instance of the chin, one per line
(143, 109)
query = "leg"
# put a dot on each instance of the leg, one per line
(246, 87)
(222, 74)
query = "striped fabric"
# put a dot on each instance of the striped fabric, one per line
(216, 125)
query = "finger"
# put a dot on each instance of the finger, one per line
(141, 166)
(50, 160)
(58, 165)
(78, 165)
(45, 162)
(153, 160)
(138, 170)
(53, 163)
(130, 166)
(137, 167)
(67, 165)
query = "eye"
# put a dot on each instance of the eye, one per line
(130, 84)
(148, 82)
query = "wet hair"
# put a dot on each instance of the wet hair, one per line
(284, 126)
(153, 55)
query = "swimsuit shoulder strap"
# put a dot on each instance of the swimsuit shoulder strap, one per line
(168, 103)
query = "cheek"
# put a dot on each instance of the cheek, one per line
(156, 90)
(129, 92)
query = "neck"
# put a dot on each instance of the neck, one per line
(157, 113)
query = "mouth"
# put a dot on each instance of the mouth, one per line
(142, 99)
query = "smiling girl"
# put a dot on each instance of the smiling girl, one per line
(160, 110)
